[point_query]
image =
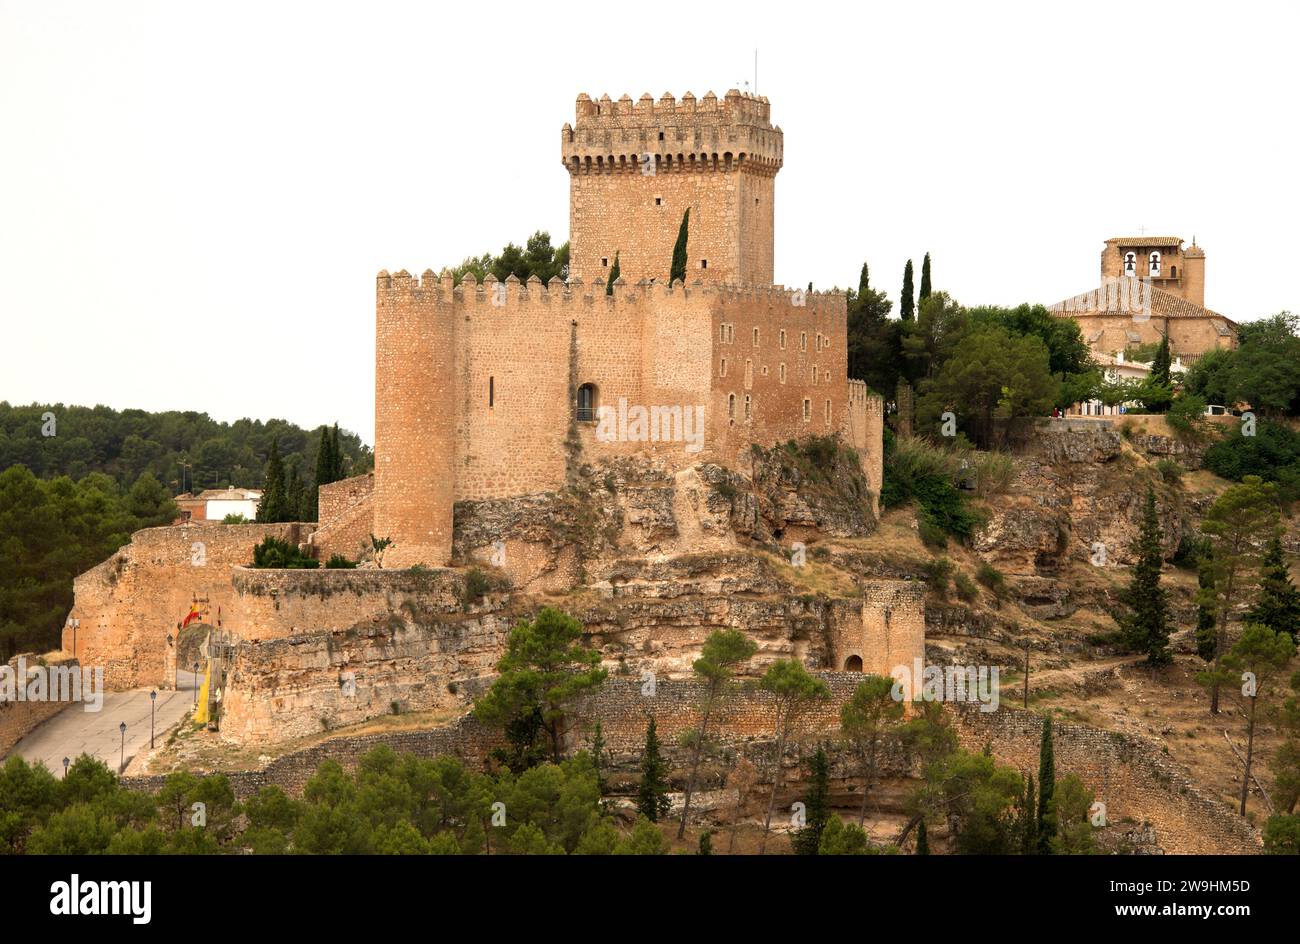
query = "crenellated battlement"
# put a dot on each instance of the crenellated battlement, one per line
(442, 290)
(681, 136)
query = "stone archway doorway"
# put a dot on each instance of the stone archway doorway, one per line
(853, 664)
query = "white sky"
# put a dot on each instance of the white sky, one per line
(194, 199)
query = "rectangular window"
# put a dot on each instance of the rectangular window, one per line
(748, 412)
(722, 372)
(492, 391)
(828, 412)
(782, 339)
(755, 337)
(782, 373)
(803, 340)
(807, 409)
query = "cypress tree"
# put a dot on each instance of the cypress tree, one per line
(864, 283)
(1029, 820)
(1046, 791)
(294, 494)
(922, 841)
(1160, 367)
(1146, 626)
(273, 505)
(925, 279)
(816, 808)
(1278, 603)
(613, 276)
(322, 477)
(336, 456)
(652, 794)
(678, 270)
(906, 303)
(1207, 635)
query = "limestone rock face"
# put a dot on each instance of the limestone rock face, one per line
(1077, 497)
(634, 506)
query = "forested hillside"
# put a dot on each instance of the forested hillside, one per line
(75, 482)
(185, 451)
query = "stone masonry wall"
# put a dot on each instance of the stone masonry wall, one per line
(1127, 773)
(20, 718)
(131, 603)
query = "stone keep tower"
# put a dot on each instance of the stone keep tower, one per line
(634, 168)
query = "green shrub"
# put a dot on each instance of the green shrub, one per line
(1186, 417)
(339, 562)
(274, 553)
(476, 584)
(992, 578)
(937, 574)
(1191, 551)
(1273, 454)
(1170, 471)
(931, 535)
(995, 473)
(966, 588)
(918, 471)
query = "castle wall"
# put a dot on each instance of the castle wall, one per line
(415, 396)
(130, 604)
(301, 685)
(893, 626)
(20, 718)
(347, 518)
(272, 604)
(800, 354)
(500, 399)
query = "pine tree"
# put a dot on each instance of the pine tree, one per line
(274, 504)
(816, 808)
(925, 279)
(1146, 626)
(906, 303)
(678, 270)
(1278, 603)
(652, 794)
(922, 841)
(613, 276)
(1046, 789)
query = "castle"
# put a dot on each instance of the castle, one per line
(1152, 287)
(503, 389)
(496, 407)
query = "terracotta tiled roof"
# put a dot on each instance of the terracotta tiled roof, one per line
(1163, 305)
(1146, 240)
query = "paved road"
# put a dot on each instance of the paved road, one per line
(74, 731)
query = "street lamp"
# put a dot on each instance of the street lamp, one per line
(121, 766)
(66, 762)
(74, 623)
(153, 699)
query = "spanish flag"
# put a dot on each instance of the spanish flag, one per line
(201, 712)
